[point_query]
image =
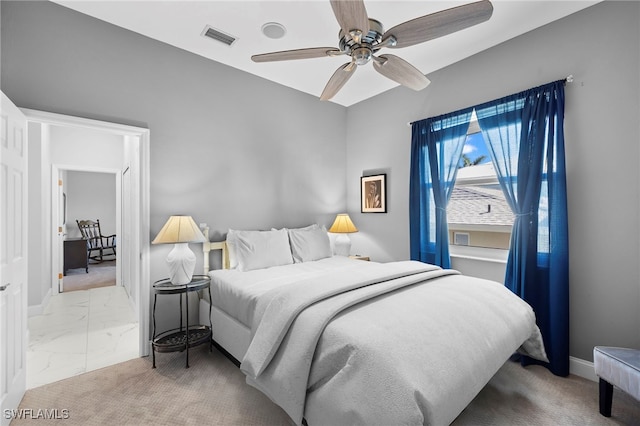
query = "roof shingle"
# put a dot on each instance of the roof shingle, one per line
(478, 205)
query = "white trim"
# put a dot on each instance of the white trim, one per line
(505, 229)
(478, 258)
(45, 117)
(479, 253)
(90, 169)
(39, 309)
(143, 225)
(582, 368)
(55, 251)
(144, 296)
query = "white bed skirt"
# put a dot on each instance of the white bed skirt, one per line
(232, 335)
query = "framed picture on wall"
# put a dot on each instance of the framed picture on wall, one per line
(373, 194)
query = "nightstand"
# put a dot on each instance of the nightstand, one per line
(359, 257)
(75, 254)
(186, 336)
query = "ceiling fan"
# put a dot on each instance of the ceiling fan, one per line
(361, 37)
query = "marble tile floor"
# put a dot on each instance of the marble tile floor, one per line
(81, 331)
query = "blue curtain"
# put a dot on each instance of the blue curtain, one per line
(436, 148)
(525, 136)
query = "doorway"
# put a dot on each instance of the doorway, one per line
(83, 153)
(90, 193)
(91, 196)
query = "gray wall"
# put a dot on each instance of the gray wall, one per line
(228, 148)
(91, 196)
(600, 47)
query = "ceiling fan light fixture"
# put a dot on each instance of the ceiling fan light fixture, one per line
(361, 55)
(274, 30)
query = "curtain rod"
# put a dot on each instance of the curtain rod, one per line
(568, 79)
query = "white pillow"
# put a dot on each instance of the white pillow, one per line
(233, 260)
(251, 250)
(314, 226)
(311, 243)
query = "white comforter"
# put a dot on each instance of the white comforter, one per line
(395, 343)
(237, 293)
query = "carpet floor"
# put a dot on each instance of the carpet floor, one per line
(213, 392)
(100, 275)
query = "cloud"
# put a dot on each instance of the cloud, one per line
(468, 149)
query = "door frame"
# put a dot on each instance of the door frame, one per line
(57, 261)
(142, 210)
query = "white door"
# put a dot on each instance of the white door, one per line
(13, 258)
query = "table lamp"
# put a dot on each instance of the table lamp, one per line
(343, 226)
(180, 230)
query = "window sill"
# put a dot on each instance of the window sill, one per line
(479, 253)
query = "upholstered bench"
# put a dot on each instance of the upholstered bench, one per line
(619, 367)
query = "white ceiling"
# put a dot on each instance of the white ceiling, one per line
(311, 23)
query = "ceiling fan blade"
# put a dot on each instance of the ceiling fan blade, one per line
(351, 15)
(439, 24)
(400, 71)
(287, 55)
(337, 80)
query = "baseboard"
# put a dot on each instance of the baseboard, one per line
(582, 368)
(34, 310)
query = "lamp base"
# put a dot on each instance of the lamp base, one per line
(342, 245)
(182, 263)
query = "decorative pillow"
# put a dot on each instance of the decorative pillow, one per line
(249, 250)
(311, 243)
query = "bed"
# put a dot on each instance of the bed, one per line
(337, 341)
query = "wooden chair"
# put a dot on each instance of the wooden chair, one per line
(96, 242)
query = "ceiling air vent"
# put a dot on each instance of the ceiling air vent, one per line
(218, 35)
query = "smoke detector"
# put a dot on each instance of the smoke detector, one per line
(274, 30)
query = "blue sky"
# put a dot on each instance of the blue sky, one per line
(474, 147)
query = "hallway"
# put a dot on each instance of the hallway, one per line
(80, 331)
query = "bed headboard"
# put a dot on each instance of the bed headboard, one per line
(214, 245)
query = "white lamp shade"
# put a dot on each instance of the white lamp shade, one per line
(180, 230)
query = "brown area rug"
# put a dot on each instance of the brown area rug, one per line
(213, 392)
(99, 275)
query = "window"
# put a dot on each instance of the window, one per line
(477, 206)
(461, 238)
